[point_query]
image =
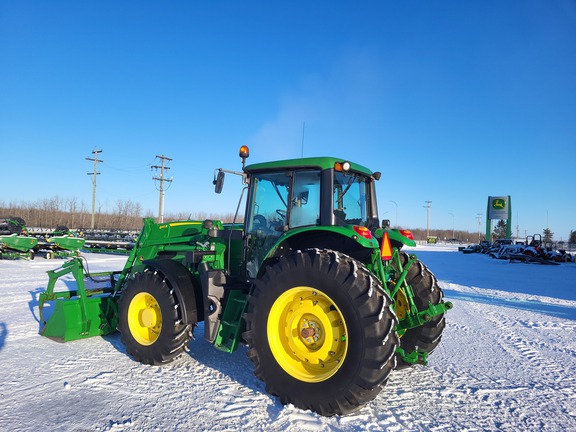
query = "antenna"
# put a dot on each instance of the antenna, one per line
(303, 129)
(94, 174)
(161, 179)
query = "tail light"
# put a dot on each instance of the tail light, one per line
(363, 232)
(407, 234)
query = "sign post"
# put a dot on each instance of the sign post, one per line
(499, 207)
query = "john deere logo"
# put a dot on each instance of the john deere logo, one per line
(498, 204)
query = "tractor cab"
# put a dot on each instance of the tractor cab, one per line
(310, 202)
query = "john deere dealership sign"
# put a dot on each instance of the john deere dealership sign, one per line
(498, 207)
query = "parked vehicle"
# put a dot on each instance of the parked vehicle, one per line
(473, 248)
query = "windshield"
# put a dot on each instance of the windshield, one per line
(350, 191)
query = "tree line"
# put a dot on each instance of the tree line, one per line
(49, 213)
(447, 235)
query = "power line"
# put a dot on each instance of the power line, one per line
(95, 159)
(162, 167)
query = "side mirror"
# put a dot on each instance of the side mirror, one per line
(385, 223)
(219, 182)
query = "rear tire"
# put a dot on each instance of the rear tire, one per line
(149, 320)
(426, 290)
(321, 332)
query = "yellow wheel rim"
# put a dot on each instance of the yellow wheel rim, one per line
(307, 334)
(144, 318)
(402, 306)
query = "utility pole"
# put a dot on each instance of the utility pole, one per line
(479, 216)
(95, 159)
(427, 218)
(161, 179)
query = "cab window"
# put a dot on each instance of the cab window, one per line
(305, 201)
(350, 204)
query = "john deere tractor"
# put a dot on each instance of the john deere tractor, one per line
(325, 300)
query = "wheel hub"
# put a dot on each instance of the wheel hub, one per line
(148, 317)
(311, 331)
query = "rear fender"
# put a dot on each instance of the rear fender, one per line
(185, 289)
(341, 239)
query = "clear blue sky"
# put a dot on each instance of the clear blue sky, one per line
(453, 101)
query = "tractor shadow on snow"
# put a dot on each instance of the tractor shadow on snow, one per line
(34, 304)
(233, 370)
(236, 366)
(236, 369)
(3, 334)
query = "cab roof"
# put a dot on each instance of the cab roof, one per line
(303, 163)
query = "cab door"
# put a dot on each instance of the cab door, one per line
(266, 216)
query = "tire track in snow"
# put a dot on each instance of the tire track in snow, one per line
(521, 342)
(533, 371)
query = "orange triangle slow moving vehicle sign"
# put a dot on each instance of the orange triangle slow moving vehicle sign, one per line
(386, 249)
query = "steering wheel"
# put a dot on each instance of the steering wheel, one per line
(260, 221)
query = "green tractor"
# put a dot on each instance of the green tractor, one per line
(323, 297)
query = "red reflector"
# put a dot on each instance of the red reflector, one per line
(407, 233)
(386, 249)
(363, 231)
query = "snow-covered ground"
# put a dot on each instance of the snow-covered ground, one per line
(507, 362)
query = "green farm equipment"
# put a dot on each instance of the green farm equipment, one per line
(61, 243)
(14, 239)
(322, 295)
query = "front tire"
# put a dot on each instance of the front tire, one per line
(150, 321)
(321, 332)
